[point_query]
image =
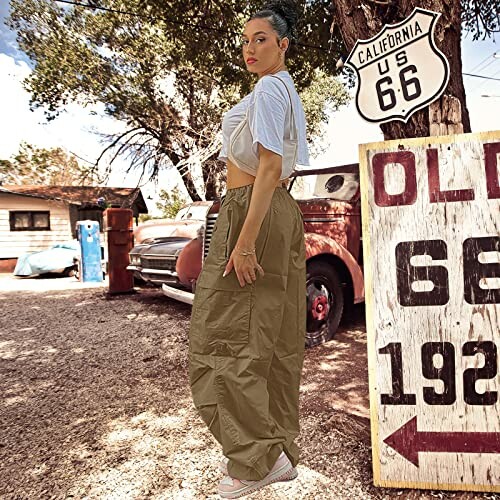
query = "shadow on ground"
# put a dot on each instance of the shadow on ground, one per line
(96, 404)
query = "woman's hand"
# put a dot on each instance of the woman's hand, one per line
(244, 266)
(264, 185)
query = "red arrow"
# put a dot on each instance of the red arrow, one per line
(408, 441)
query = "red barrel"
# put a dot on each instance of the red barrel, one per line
(119, 230)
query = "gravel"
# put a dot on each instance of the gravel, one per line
(96, 403)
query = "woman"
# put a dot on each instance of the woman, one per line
(248, 322)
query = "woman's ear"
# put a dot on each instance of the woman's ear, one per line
(285, 42)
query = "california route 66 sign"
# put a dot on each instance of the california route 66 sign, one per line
(400, 70)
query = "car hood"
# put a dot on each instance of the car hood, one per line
(165, 247)
(180, 228)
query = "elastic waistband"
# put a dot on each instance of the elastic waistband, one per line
(244, 192)
(247, 187)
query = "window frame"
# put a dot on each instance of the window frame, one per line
(14, 213)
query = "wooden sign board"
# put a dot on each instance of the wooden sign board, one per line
(431, 226)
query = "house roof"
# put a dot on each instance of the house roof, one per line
(84, 195)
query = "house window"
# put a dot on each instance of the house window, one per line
(29, 221)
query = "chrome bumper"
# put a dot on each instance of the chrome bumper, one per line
(154, 276)
(177, 294)
(151, 271)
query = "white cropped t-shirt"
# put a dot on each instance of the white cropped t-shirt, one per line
(268, 108)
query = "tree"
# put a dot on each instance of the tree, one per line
(362, 19)
(170, 203)
(324, 96)
(167, 69)
(32, 165)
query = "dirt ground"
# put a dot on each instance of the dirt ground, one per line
(96, 403)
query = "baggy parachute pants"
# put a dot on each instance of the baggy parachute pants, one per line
(246, 344)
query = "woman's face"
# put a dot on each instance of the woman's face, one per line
(263, 52)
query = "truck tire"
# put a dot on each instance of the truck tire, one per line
(325, 302)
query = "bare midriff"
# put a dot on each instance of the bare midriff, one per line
(237, 177)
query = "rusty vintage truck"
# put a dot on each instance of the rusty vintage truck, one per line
(332, 226)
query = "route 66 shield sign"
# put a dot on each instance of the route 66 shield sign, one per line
(400, 70)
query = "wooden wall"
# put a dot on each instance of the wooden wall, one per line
(15, 243)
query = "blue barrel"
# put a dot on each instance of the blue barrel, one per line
(90, 246)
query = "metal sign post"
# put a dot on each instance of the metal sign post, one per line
(431, 236)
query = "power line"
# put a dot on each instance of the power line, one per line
(485, 81)
(496, 73)
(481, 76)
(482, 62)
(493, 59)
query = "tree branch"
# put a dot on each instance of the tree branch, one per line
(114, 143)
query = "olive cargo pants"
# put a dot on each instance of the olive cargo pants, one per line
(246, 344)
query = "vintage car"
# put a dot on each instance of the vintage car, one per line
(63, 259)
(185, 224)
(154, 258)
(60, 259)
(332, 225)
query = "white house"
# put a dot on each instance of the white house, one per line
(35, 218)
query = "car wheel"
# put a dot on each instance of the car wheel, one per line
(325, 302)
(139, 281)
(69, 271)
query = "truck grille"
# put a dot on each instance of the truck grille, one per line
(155, 263)
(207, 236)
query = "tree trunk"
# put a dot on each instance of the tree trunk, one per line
(214, 177)
(363, 19)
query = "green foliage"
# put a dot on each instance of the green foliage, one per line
(170, 203)
(168, 69)
(146, 217)
(32, 165)
(325, 95)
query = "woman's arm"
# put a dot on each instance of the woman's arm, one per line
(268, 174)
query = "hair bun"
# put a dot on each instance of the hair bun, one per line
(286, 9)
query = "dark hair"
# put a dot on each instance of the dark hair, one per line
(282, 14)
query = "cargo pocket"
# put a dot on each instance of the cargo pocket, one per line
(264, 236)
(237, 212)
(220, 233)
(221, 314)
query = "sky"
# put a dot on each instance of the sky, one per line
(75, 129)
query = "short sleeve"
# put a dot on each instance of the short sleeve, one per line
(223, 151)
(266, 120)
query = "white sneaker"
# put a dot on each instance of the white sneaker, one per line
(223, 465)
(231, 487)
